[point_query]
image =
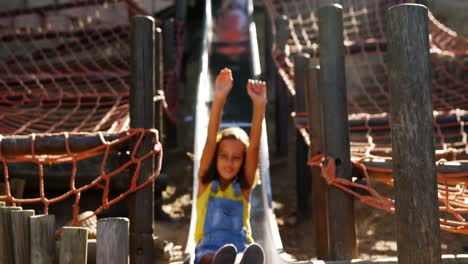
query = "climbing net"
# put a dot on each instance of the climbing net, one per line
(64, 71)
(65, 67)
(119, 154)
(368, 97)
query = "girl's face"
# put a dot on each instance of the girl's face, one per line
(230, 158)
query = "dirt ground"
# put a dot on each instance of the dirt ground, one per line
(375, 228)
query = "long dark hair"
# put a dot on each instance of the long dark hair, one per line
(212, 173)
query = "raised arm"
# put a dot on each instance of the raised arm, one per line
(257, 92)
(223, 86)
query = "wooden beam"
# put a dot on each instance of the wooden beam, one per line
(412, 130)
(52, 144)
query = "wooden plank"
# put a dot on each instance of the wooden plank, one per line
(335, 130)
(42, 234)
(319, 185)
(73, 245)
(413, 152)
(112, 241)
(141, 209)
(6, 235)
(21, 239)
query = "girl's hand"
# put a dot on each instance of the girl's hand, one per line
(257, 91)
(223, 83)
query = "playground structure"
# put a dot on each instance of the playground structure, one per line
(80, 81)
(298, 55)
(114, 105)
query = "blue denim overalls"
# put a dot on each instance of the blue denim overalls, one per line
(224, 223)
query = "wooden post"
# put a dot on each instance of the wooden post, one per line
(181, 9)
(169, 48)
(422, 2)
(42, 234)
(270, 76)
(303, 180)
(282, 94)
(166, 51)
(21, 239)
(413, 153)
(73, 245)
(159, 82)
(142, 116)
(282, 33)
(16, 187)
(6, 235)
(112, 244)
(335, 130)
(319, 185)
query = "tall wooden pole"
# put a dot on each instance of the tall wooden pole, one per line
(142, 38)
(270, 77)
(282, 95)
(181, 9)
(335, 130)
(159, 83)
(301, 170)
(413, 153)
(319, 185)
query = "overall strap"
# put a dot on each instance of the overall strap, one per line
(215, 186)
(236, 187)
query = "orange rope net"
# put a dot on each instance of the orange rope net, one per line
(129, 163)
(65, 67)
(64, 70)
(368, 99)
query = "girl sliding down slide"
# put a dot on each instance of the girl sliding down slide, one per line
(227, 175)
